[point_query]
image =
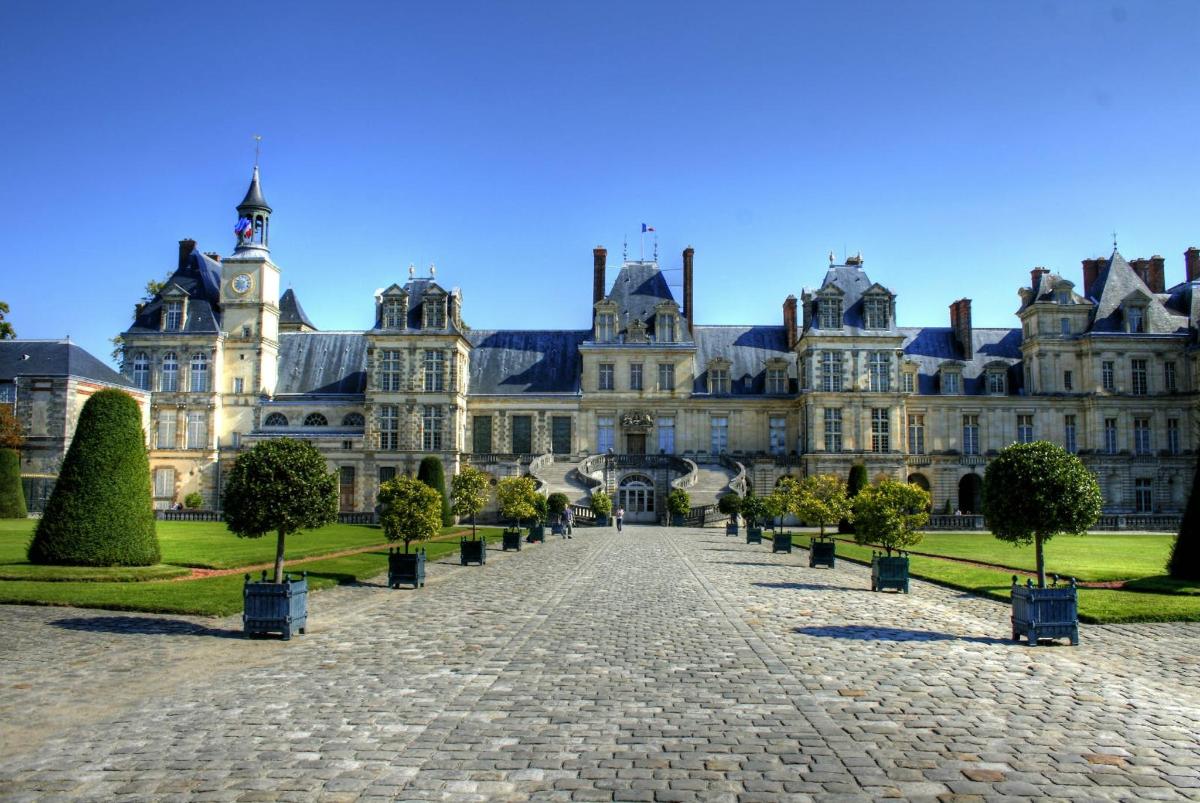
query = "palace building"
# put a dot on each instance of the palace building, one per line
(644, 396)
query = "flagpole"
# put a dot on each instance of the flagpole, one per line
(642, 253)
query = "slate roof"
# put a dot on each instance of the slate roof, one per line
(853, 282)
(290, 311)
(200, 279)
(53, 358)
(1116, 282)
(416, 313)
(747, 348)
(518, 362)
(930, 347)
(322, 363)
(254, 196)
(637, 290)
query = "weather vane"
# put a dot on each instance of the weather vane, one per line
(257, 143)
(1114, 240)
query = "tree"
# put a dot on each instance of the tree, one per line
(601, 503)
(557, 503)
(823, 499)
(855, 483)
(100, 513)
(6, 329)
(754, 510)
(678, 502)
(12, 495)
(784, 497)
(432, 473)
(409, 510)
(281, 485)
(516, 497)
(1184, 563)
(890, 514)
(730, 505)
(10, 429)
(468, 493)
(1033, 491)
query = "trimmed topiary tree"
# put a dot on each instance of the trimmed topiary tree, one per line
(1034, 491)
(822, 499)
(679, 503)
(754, 510)
(469, 493)
(193, 500)
(12, 495)
(282, 486)
(855, 483)
(557, 503)
(516, 496)
(100, 512)
(433, 473)
(889, 514)
(730, 505)
(409, 510)
(601, 503)
(1184, 563)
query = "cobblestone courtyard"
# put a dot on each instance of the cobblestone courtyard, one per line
(652, 665)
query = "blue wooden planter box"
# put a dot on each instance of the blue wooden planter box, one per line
(471, 551)
(677, 520)
(889, 572)
(537, 534)
(731, 529)
(754, 535)
(601, 520)
(275, 607)
(1047, 613)
(557, 529)
(822, 553)
(781, 542)
(512, 540)
(406, 568)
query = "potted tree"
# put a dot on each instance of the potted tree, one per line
(409, 510)
(730, 505)
(541, 510)
(754, 511)
(602, 507)
(679, 504)
(785, 498)
(556, 505)
(515, 495)
(1032, 492)
(888, 514)
(468, 494)
(823, 500)
(281, 485)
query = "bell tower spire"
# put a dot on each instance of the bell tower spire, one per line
(253, 228)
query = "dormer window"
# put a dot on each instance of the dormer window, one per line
(435, 312)
(1135, 319)
(718, 381)
(606, 327)
(876, 313)
(664, 327)
(830, 313)
(996, 384)
(951, 381)
(1062, 296)
(173, 316)
(777, 377)
(393, 314)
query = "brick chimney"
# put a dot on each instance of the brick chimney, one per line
(789, 321)
(960, 323)
(186, 247)
(1191, 264)
(1091, 271)
(1033, 278)
(599, 263)
(1158, 274)
(688, 254)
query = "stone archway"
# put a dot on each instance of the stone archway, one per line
(970, 494)
(921, 481)
(635, 493)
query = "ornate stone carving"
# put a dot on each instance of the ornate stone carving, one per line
(637, 420)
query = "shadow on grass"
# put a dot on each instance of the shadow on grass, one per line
(869, 633)
(144, 626)
(807, 587)
(1163, 584)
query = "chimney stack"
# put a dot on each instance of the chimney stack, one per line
(1158, 274)
(186, 247)
(1091, 271)
(599, 262)
(1033, 278)
(1191, 264)
(688, 254)
(960, 323)
(789, 321)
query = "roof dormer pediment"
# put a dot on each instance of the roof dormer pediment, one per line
(830, 291)
(1136, 298)
(877, 289)
(394, 291)
(173, 291)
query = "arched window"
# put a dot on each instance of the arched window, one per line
(141, 370)
(276, 420)
(315, 420)
(168, 380)
(353, 420)
(199, 380)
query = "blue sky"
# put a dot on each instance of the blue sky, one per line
(956, 145)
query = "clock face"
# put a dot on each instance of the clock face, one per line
(241, 283)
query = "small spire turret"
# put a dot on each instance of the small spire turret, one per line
(254, 217)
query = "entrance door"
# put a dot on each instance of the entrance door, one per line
(636, 495)
(635, 444)
(346, 489)
(560, 434)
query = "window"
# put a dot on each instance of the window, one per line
(635, 376)
(831, 313)
(1068, 381)
(951, 382)
(831, 371)
(166, 430)
(315, 420)
(604, 381)
(604, 434)
(909, 380)
(777, 434)
(1107, 375)
(164, 483)
(389, 370)
(239, 384)
(174, 316)
(1170, 382)
(720, 434)
(664, 327)
(235, 440)
(393, 314)
(1137, 370)
(1069, 440)
(605, 327)
(1135, 317)
(168, 378)
(916, 434)
(833, 429)
(389, 426)
(246, 331)
(1141, 435)
(435, 312)
(386, 474)
(666, 376)
(141, 370)
(995, 380)
(481, 434)
(666, 435)
(353, 420)
(1110, 436)
(522, 434)
(1064, 326)
(276, 420)
(199, 375)
(197, 430)
(718, 380)
(1062, 296)
(435, 371)
(1024, 428)
(777, 381)
(8, 393)
(880, 435)
(1143, 495)
(1173, 435)
(875, 313)
(879, 369)
(970, 436)
(431, 430)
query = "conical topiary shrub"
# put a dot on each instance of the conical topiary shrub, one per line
(1185, 554)
(100, 513)
(854, 483)
(433, 473)
(12, 496)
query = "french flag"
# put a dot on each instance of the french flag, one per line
(646, 228)
(244, 228)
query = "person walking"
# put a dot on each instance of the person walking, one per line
(620, 518)
(569, 515)
(562, 525)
